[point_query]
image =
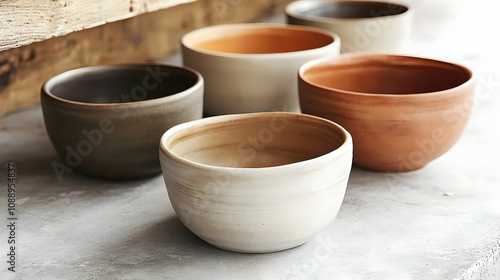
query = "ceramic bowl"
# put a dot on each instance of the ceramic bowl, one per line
(106, 121)
(259, 182)
(402, 111)
(253, 67)
(363, 26)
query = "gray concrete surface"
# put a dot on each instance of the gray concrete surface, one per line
(440, 222)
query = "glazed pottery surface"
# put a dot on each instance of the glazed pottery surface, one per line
(258, 182)
(363, 26)
(253, 67)
(401, 111)
(107, 121)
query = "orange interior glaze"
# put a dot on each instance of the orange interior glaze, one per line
(265, 40)
(388, 75)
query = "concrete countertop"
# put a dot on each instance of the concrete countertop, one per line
(440, 222)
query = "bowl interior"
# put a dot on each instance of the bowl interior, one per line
(349, 9)
(257, 39)
(257, 140)
(119, 84)
(386, 74)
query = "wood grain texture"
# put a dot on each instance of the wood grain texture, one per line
(25, 21)
(142, 38)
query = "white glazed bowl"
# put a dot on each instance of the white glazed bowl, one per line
(363, 26)
(252, 67)
(256, 183)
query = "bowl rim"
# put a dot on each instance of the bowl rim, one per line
(45, 92)
(255, 26)
(166, 152)
(291, 10)
(330, 60)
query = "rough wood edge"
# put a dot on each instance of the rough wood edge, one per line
(25, 21)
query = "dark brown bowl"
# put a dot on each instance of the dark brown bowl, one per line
(107, 121)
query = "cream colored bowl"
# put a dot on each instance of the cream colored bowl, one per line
(253, 67)
(259, 182)
(363, 26)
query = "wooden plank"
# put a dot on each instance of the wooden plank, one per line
(142, 38)
(25, 21)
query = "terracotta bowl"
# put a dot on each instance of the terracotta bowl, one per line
(256, 183)
(253, 67)
(363, 26)
(107, 121)
(402, 111)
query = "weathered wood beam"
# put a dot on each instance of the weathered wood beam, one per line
(23, 22)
